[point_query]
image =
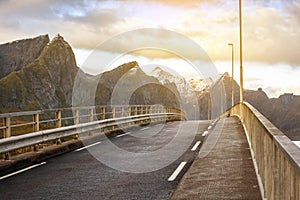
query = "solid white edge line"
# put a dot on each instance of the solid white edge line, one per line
(122, 134)
(205, 133)
(144, 128)
(80, 149)
(177, 171)
(195, 146)
(22, 170)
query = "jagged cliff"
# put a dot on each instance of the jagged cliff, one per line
(124, 85)
(47, 78)
(46, 82)
(283, 112)
(15, 55)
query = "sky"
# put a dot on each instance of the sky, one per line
(271, 34)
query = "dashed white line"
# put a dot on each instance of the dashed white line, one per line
(22, 170)
(195, 146)
(209, 127)
(177, 171)
(80, 149)
(205, 133)
(123, 134)
(145, 128)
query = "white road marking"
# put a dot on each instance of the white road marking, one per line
(22, 170)
(123, 134)
(80, 149)
(205, 133)
(195, 146)
(145, 128)
(177, 171)
(209, 128)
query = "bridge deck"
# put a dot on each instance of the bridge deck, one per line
(227, 172)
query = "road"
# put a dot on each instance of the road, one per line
(80, 174)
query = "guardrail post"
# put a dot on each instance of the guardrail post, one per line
(141, 110)
(58, 119)
(122, 111)
(7, 134)
(113, 110)
(36, 122)
(76, 122)
(129, 111)
(102, 114)
(146, 110)
(102, 110)
(129, 114)
(36, 127)
(91, 114)
(76, 117)
(134, 110)
(113, 115)
(58, 123)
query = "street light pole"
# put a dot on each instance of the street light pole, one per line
(241, 52)
(232, 80)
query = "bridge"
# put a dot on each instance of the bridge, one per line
(71, 154)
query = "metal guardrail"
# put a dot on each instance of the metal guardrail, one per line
(17, 142)
(83, 119)
(277, 157)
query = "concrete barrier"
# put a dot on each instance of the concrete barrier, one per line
(277, 157)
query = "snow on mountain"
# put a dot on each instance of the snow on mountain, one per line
(185, 88)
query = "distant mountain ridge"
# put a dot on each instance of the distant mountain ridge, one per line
(283, 112)
(46, 72)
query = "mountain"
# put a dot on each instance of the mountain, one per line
(185, 88)
(283, 112)
(124, 85)
(182, 85)
(17, 54)
(44, 83)
(286, 114)
(50, 78)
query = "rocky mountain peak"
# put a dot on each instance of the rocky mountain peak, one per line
(17, 54)
(59, 60)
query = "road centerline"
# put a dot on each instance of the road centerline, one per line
(205, 133)
(80, 149)
(195, 146)
(123, 134)
(177, 171)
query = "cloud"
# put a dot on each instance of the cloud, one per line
(272, 36)
(270, 28)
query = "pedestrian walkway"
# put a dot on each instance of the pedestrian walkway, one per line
(226, 172)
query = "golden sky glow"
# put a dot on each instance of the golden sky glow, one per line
(271, 28)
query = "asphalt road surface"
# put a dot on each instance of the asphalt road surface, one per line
(125, 175)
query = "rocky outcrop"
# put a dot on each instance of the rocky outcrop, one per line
(129, 85)
(51, 79)
(283, 112)
(16, 55)
(44, 83)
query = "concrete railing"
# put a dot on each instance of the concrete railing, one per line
(83, 120)
(277, 157)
